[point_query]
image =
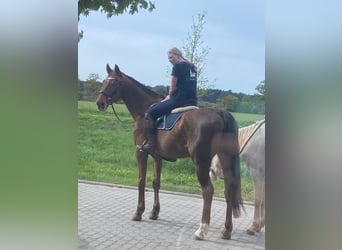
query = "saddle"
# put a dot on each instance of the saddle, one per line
(168, 121)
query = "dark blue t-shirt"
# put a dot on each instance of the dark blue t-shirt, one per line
(186, 83)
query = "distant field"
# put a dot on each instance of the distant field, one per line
(106, 153)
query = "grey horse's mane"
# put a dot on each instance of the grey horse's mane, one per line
(245, 133)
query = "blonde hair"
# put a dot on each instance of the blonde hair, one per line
(176, 52)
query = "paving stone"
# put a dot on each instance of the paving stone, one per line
(105, 212)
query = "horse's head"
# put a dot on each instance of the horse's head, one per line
(111, 88)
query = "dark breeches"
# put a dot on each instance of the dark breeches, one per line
(161, 108)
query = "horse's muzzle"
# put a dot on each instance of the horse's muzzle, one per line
(101, 106)
(101, 103)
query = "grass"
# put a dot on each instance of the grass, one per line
(106, 153)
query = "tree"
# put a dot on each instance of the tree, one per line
(160, 89)
(91, 87)
(261, 88)
(196, 52)
(111, 7)
(228, 102)
(93, 77)
(80, 89)
(254, 104)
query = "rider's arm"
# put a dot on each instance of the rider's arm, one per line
(172, 88)
(173, 85)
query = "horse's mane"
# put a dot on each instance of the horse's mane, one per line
(144, 88)
(246, 132)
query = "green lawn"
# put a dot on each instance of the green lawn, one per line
(106, 153)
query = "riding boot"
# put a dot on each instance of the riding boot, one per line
(150, 133)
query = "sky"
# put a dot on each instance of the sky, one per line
(138, 44)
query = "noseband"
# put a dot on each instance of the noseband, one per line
(109, 98)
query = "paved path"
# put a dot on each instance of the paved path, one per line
(104, 222)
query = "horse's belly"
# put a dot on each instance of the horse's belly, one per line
(174, 152)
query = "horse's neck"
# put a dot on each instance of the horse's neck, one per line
(245, 133)
(136, 99)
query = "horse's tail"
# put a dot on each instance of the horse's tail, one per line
(235, 188)
(234, 192)
(230, 124)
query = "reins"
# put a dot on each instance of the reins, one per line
(109, 99)
(254, 131)
(115, 112)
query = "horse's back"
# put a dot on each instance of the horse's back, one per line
(254, 152)
(215, 119)
(202, 130)
(213, 129)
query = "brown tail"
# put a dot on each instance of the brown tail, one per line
(236, 195)
(230, 126)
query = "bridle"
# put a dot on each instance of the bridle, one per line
(109, 98)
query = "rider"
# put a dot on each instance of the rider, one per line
(182, 92)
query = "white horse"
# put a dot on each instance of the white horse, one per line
(252, 152)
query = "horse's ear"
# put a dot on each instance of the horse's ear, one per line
(109, 70)
(117, 70)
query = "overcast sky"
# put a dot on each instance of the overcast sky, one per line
(138, 44)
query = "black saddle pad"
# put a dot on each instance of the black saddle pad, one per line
(167, 122)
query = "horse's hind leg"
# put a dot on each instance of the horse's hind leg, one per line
(202, 171)
(157, 165)
(259, 206)
(231, 166)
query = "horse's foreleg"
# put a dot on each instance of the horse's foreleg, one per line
(157, 165)
(263, 207)
(259, 207)
(207, 195)
(142, 167)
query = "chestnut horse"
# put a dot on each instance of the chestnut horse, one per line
(252, 152)
(199, 134)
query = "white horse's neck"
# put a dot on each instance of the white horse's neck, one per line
(246, 133)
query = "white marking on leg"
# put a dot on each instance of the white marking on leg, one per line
(202, 231)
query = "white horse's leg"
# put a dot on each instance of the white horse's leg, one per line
(215, 168)
(258, 206)
(262, 209)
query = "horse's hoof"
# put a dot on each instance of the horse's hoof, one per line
(197, 237)
(225, 235)
(201, 232)
(250, 231)
(253, 229)
(153, 216)
(136, 217)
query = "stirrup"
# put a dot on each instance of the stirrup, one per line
(153, 153)
(142, 149)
